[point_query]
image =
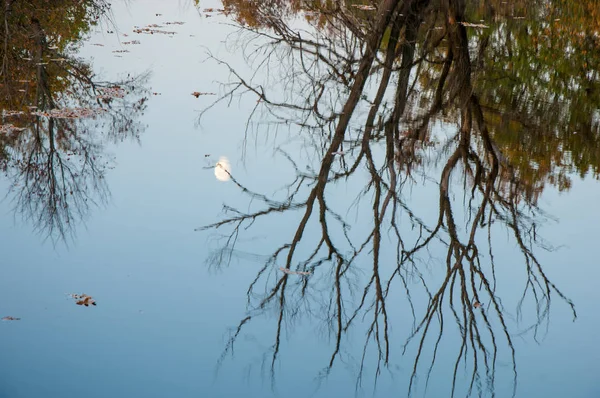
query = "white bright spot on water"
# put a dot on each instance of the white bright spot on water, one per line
(222, 169)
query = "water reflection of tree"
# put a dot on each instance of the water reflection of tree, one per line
(58, 116)
(418, 64)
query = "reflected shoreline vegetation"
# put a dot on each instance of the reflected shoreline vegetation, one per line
(58, 115)
(485, 104)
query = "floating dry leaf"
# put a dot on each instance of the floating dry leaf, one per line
(10, 318)
(476, 304)
(290, 272)
(83, 299)
(198, 94)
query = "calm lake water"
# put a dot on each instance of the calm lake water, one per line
(275, 198)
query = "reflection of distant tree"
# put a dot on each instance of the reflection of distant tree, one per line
(58, 115)
(414, 67)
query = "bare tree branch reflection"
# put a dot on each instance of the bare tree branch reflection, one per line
(367, 99)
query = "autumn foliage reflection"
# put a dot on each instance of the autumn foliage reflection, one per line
(57, 114)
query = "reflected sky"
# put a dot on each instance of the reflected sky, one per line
(165, 312)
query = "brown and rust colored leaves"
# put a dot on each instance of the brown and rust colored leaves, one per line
(83, 299)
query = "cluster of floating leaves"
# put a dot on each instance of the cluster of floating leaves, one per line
(83, 299)
(152, 29)
(111, 92)
(70, 113)
(208, 12)
(8, 113)
(9, 128)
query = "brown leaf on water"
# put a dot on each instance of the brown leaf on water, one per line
(198, 94)
(83, 299)
(476, 304)
(10, 318)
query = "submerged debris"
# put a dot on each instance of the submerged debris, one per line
(10, 318)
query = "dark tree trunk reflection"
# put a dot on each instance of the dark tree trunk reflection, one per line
(352, 88)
